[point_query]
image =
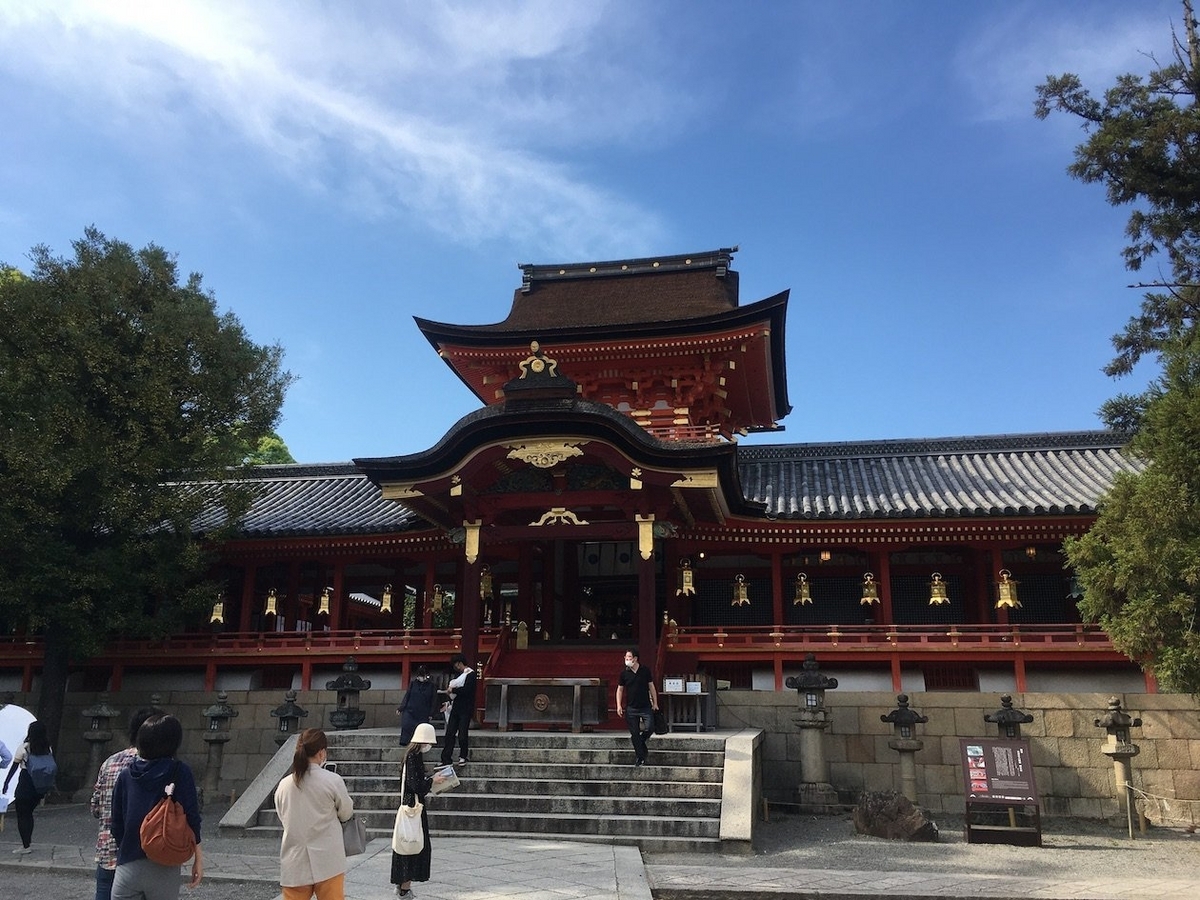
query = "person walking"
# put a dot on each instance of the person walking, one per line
(101, 805)
(28, 794)
(312, 803)
(417, 783)
(637, 701)
(417, 705)
(462, 711)
(138, 789)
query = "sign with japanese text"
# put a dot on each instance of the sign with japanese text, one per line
(997, 770)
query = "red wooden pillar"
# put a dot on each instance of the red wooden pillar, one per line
(338, 617)
(897, 674)
(1019, 673)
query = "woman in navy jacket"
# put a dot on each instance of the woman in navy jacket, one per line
(137, 790)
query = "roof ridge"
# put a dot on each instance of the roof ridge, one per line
(989, 443)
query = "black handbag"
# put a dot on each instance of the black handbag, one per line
(660, 722)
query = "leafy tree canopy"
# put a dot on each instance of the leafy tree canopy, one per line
(270, 451)
(1139, 565)
(118, 381)
(1143, 145)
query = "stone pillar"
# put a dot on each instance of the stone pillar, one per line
(348, 685)
(1121, 750)
(815, 794)
(905, 721)
(97, 731)
(220, 716)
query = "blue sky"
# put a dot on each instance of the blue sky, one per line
(334, 169)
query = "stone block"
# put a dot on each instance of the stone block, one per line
(879, 777)
(939, 780)
(1057, 722)
(1096, 782)
(1061, 782)
(847, 776)
(1085, 807)
(1044, 751)
(968, 722)
(1077, 754)
(836, 749)
(860, 748)
(1187, 784)
(1194, 753)
(1171, 754)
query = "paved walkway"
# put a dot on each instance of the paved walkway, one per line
(471, 868)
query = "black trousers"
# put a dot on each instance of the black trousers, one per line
(641, 728)
(458, 725)
(25, 799)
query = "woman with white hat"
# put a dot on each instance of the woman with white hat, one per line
(407, 869)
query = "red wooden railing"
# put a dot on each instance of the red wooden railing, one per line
(780, 645)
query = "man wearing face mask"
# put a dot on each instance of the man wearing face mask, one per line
(637, 701)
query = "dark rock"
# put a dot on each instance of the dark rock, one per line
(891, 815)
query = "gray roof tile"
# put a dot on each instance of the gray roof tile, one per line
(301, 500)
(1037, 474)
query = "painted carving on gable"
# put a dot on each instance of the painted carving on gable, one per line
(543, 454)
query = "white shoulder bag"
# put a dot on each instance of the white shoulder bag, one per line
(408, 838)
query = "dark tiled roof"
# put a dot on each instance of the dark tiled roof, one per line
(1038, 474)
(621, 293)
(312, 500)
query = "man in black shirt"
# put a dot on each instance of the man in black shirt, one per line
(462, 711)
(637, 699)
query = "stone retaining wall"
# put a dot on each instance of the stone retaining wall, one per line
(1073, 776)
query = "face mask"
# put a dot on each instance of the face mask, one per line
(629, 663)
(425, 747)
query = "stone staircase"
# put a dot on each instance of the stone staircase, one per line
(550, 784)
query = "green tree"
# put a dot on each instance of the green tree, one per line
(1143, 145)
(1139, 565)
(270, 451)
(118, 384)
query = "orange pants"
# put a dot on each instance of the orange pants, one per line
(330, 889)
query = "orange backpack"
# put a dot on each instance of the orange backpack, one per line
(166, 836)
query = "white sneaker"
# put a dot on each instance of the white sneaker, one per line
(22, 851)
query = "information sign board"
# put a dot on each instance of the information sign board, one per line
(997, 770)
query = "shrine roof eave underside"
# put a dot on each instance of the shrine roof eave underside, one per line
(498, 438)
(767, 316)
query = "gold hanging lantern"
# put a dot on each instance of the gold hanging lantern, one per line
(439, 595)
(485, 583)
(826, 556)
(870, 590)
(385, 605)
(323, 606)
(741, 596)
(937, 591)
(218, 612)
(272, 604)
(1006, 591)
(687, 579)
(803, 592)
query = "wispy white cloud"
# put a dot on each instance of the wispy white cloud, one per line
(1001, 64)
(442, 112)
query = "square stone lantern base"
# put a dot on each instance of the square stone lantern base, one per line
(818, 798)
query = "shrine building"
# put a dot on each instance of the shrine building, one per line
(599, 498)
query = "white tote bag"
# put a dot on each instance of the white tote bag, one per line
(408, 838)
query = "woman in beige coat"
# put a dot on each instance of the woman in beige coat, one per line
(312, 803)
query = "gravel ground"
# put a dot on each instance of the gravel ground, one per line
(1070, 846)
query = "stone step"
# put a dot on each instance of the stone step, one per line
(685, 765)
(509, 784)
(566, 825)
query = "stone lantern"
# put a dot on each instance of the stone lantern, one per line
(1008, 721)
(1121, 749)
(220, 717)
(98, 731)
(815, 793)
(905, 721)
(289, 715)
(348, 685)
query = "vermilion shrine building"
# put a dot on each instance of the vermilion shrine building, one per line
(600, 497)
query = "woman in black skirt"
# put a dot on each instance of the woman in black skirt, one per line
(407, 869)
